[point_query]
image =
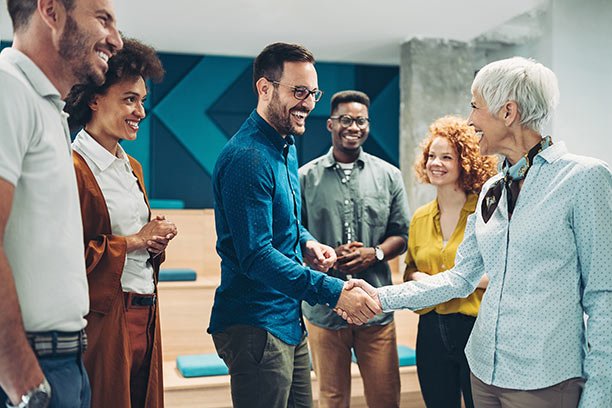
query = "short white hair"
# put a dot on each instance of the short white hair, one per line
(531, 85)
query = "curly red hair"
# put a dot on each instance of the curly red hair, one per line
(475, 168)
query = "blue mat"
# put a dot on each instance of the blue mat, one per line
(177, 274)
(407, 356)
(158, 203)
(201, 365)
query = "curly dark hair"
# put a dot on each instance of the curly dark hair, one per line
(475, 168)
(134, 60)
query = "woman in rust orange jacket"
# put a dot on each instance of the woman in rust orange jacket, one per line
(123, 245)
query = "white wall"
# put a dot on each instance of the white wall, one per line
(582, 60)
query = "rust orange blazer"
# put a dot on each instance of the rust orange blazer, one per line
(108, 345)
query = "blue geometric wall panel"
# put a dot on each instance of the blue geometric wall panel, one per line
(177, 174)
(183, 109)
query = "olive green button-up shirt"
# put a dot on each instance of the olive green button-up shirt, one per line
(368, 206)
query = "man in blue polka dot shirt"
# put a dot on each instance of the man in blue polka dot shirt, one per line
(256, 321)
(542, 232)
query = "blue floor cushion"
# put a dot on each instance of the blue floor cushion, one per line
(177, 274)
(201, 365)
(407, 356)
(166, 204)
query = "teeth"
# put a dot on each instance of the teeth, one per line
(479, 133)
(299, 114)
(132, 123)
(351, 137)
(102, 55)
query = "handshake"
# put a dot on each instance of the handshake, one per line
(358, 302)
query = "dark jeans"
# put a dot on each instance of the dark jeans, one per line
(68, 380)
(265, 371)
(441, 364)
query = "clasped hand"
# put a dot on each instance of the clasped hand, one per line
(155, 235)
(358, 302)
(354, 258)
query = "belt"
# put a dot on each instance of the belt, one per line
(54, 343)
(139, 300)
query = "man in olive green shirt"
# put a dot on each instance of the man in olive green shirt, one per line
(356, 203)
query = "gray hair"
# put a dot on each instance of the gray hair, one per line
(531, 85)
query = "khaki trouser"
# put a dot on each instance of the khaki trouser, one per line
(376, 351)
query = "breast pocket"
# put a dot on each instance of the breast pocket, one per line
(376, 211)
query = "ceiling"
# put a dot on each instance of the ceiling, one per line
(359, 31)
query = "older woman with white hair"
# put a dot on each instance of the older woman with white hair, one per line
(542, 232)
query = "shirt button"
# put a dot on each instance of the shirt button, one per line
(327, 304)
(443, 266)
(344, 180)
(346, 202)
(346, 224)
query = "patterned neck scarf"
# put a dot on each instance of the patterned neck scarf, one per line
(512, 176)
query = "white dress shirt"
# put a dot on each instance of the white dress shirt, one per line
(126, 205)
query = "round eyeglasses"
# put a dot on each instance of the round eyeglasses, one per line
(347, 121)
(301, 92)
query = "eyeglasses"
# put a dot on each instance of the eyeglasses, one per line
(347, 121)
(301, 92)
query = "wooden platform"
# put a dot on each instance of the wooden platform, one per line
(185, 313)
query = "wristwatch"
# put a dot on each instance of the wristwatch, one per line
(378, 252)
(38, 397)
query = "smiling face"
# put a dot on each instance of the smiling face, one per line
(89, 39)
(347, 141)
(489, 127)
(284, 112)
(442, 166)
(117, 114)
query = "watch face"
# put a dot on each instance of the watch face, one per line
(379, 253)
(39, 399)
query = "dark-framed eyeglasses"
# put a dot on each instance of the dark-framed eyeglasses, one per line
(301, 92)
(347, 121)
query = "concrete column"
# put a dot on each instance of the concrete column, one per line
(435, 80)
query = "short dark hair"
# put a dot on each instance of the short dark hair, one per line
(134, 60)
(21, 11)
(271, 60)
(349, 96)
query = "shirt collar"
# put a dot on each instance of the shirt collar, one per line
(39, 81)
(469, 206)
(329, 160)
(101, 157)
(554, 152)
(277, 140)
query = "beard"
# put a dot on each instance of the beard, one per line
(280, 118)
(73, 48)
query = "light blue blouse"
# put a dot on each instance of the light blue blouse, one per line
(548, 266)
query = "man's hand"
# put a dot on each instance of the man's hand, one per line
(358, 302)
(319, 256)
(354, 258)
(371, 291)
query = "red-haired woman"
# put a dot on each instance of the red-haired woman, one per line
(451, 162)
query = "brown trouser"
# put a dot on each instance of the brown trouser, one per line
(376, 351)
(566, 394)
(140, 324)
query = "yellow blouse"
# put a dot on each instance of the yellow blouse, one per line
(427, 252)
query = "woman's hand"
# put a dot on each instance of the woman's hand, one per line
(154, 236)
